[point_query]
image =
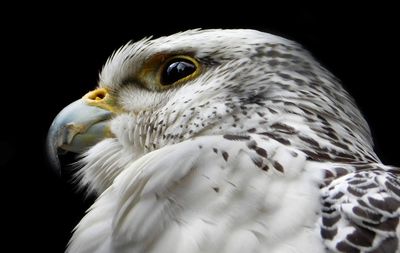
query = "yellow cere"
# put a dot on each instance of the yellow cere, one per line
(102, 99)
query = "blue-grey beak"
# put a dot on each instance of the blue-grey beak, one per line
(80, 125)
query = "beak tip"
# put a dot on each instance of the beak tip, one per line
(52, 152)
(89, 126)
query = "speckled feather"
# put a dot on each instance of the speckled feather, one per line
(264, 151)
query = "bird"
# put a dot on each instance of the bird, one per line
(225, 140)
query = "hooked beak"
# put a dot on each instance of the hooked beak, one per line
(80, 125)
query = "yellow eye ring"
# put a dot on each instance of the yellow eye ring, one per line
(177, 70)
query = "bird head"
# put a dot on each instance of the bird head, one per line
(157, 92)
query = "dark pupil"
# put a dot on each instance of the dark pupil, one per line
(177, 70)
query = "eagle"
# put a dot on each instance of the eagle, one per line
(225, 141)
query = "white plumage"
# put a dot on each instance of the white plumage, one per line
(228, 141)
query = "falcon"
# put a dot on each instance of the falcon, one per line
(225, 141)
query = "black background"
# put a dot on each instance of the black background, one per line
(52, 57)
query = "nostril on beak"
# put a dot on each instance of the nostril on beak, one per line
(101, 98)
(97, 95)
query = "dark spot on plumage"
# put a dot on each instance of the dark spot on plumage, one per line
(277, 138)
(394, 171)
(287, 103)
(216, 189)
(361, 167)
(323, 119)
(345, 247)
(338, 195)
(233, 137)
(273, 63)
(329, 211)
(389, 245)
(215, 150)
(340, 171)
(272, 110)
(252, 144)
(388, 204)
(252, 130)
(284, 76)
(312, 156)
(305, 110)
(392, 188)
(292, 111)
(261, 114)
(362, 203)
(352, 135)
(328, 234)
(341, 157)
(338, 144)
(225, 155)
(272, 53)
(330, 221)
(327, 204)
(299, 82)
(335, 137)
(366, 214)
(328, 174)
(356, 181)
(281, 127)
(309, 140)
(355, 192)
(262, 152)
(259, 103)
(308, 119)
(278, 166)
(390, 224)
(371, 158)
(334, 109)
(368, 186)
(294, 154)
(265, 167)
(257, 161)
(346, 141)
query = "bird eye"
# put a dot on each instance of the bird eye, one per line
(176, 69)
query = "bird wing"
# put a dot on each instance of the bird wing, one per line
(231, 193)
(361, 210)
